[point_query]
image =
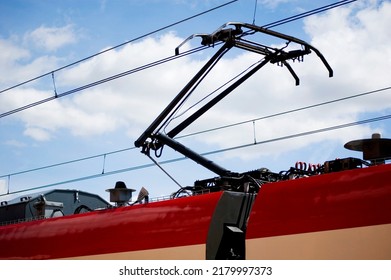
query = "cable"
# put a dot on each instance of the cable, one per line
(67, 162)
(289, 111)
(290, 19)
(117, 46)
(102, 81)
(308, 13)
(206, 131)
(94, 176)
(301, 134)
(306, 133)
(164, 171)
(255, 10)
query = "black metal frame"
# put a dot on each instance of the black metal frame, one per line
(230, 37)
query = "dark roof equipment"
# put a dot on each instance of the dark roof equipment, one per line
(54, 203)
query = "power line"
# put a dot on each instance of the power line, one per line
(301, 134)
(308, 13)
(117, 46)
(306, 133)
(102, 81)
(290, 111)
(255, 11)
(209, 130)
(68, 162)
(152, 64)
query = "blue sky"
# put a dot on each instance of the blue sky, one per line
(38, 37)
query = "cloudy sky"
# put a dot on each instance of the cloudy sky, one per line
(40, 37)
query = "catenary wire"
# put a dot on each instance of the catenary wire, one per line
(308, 13)
(42, 101)
(102, 81)
(117, 46)
(290, 111)
(301, 134)
(255, 11)
(207, 130)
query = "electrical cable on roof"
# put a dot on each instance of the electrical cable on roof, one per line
(164, 171)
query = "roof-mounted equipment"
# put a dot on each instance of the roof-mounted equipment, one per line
(375, 149)
(232, 34)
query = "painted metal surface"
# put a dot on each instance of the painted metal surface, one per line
(325, 203)
(171, 223)
(353, 198)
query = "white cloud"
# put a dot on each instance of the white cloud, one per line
(273, 3)
(37, 133)
(10, 52)
(17, 63)
(52, 38)
(356, 42)
(42, 122)
(15, 143)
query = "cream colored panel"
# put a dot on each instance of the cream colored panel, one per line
(373, 242)
(194, 252)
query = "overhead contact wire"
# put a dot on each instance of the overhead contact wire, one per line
(117, 46)
(301, 134)
(277, 23)
(208, 130)
(102, 81)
